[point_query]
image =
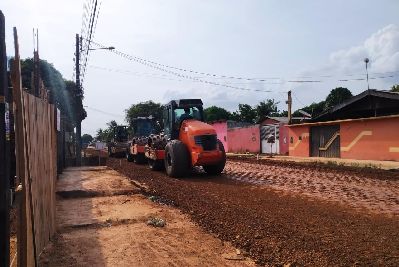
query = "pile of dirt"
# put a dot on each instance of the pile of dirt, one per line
(275, 228)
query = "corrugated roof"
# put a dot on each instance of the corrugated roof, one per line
(364, 103)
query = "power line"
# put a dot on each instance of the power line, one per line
(105, 112)
(370, 78)
(94, 26)
(298, 99)
(139, 74)
(133, 58)
(164, 66)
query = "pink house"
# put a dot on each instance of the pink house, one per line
(238, 137)
(277, 127)
(221, 131)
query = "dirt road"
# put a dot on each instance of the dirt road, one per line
(366, 190)
(279, 213)
(102, 220)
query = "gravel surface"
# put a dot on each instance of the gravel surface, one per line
(370, 190)
(280, 227)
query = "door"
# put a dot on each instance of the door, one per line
(267, 134)
(325, 141)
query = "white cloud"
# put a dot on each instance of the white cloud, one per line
(382, 48)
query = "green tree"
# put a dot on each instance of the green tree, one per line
(215, 113)
(337, 96)
(66, 95)
(265, 109)
(87, 138)
(395, 88)
(283, 113)
(144, 109)
(105, 135)
(101, 135)
(246, 113)
(314, 109)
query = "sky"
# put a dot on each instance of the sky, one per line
(279, 41)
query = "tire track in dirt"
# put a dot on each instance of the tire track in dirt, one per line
(353, 190)
(276, 228)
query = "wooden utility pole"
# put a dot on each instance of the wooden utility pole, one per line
(78, 121)
(4, 153)
(289, 102)
(36, 64)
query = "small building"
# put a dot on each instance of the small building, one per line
(238, 137)
(363, 127)
(276, 127)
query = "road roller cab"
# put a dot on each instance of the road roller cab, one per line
(191, 141)
(119, 140)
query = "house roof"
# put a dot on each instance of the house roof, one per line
(370, 103)
(285, 119)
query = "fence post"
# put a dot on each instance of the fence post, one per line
(4, 153)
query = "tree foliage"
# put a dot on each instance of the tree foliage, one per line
(144, 109)
(105, 135)
(337, 96)
(395, 88)
(314, 109)
(87, 138)
(66, 95)
(215, 113)
(246, 113)
(256, 114)
(265, 109)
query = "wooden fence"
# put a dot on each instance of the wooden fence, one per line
(36, 154)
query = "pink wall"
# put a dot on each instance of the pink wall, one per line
(299, 141)
(284, 139)
(245, 139)
(375, 139)
(221, 131)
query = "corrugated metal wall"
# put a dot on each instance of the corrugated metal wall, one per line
(325, 141)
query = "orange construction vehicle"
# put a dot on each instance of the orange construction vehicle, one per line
(142, 129)
(187, 141)
(119, 141)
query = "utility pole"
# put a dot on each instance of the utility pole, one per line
(36, 64)
(4, 153)
(366, 60)
(78, 88)
(289, 102)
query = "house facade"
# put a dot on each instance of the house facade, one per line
(238, 137)
(364, 127)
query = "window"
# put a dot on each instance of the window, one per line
(187, 113)
(291, 140)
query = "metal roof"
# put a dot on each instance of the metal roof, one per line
(370, 103)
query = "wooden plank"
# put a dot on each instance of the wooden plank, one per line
(36, 167)
(24, 235)
(4, 153)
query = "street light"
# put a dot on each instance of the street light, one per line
(366, 60)
(104, 48)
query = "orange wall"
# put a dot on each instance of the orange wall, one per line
(297, 147)
(376, 139)
(245, 139)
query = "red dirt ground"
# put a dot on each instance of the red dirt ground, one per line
(277, 227)
(369, 190)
